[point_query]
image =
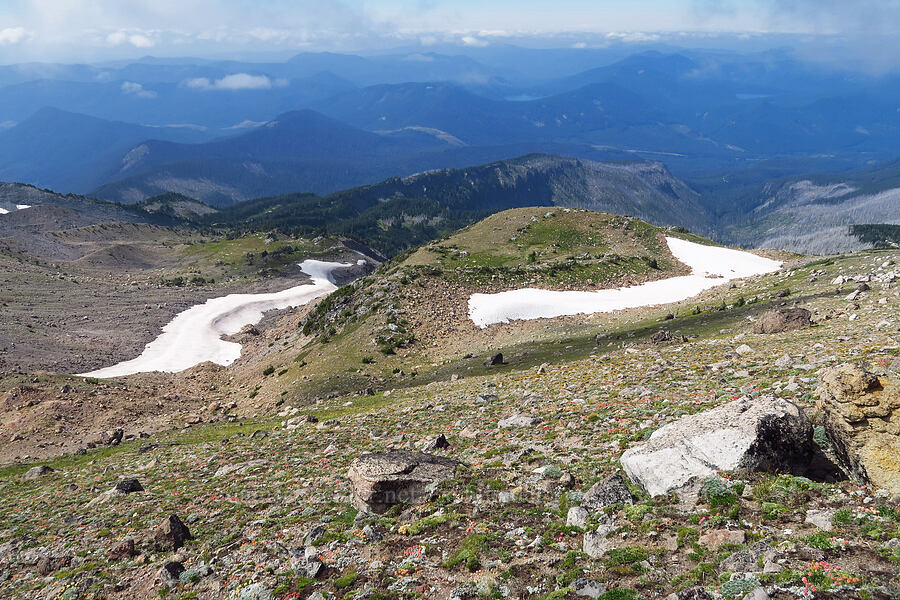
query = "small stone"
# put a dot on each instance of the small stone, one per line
(577, 517)
(588, 588)
(820, 518)
(507, 496)
(122, 550)
(744, 350)
(567, 480)
(694, 593)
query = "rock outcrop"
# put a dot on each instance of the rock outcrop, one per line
(783, 319)
(380, 481)
(761, 434)
(862, 420)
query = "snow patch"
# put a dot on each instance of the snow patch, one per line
(710, 266)
(195, 335)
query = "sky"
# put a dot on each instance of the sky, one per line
(85, 30)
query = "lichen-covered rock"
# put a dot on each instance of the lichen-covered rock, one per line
(611, 490)
(783, 319)
(862, 420)
(380, 481)
(760, 434)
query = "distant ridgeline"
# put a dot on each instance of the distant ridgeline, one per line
(404, 212)
(877, 235)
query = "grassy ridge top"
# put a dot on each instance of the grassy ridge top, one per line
(551, 247)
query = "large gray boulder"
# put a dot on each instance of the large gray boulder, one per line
(380, 481)
(761, 434)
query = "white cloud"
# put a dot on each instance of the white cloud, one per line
(470, 40)
(245, 124)
(136, 89)
(12, 35)
(637, 37)
(236, 81)
(7, 124)
(136, 39)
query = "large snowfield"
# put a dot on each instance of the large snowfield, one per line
(710, 266)
(195, 335)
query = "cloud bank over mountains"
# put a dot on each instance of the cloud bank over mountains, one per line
(110, 29)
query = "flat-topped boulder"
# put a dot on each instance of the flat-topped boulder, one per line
(759, 434)
(382, 480)
(861, 413)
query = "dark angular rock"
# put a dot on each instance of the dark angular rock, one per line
(438, 443)
(171, 534)
(112, 437)
(127, 486)
(494, 360)
(171, 571)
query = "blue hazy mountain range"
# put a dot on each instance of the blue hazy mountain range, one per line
(225, 131)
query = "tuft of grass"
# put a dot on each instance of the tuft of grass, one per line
(469, 552)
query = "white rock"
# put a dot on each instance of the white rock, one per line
(744, 350)
(595, 543)
(820, 518)
(577, 517)
(765, 433)
(519, 420)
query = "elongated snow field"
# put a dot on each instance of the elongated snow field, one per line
(195, 335)
(710, 266)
